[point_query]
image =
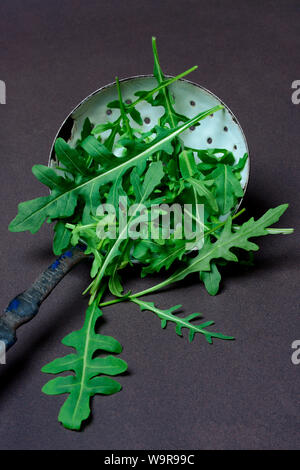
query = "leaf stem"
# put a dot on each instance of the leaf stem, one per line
(122, 109)
(272, 231)
(109, 142)
(162, 85)
(160, 78)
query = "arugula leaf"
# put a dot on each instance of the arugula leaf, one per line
(90, 373)
(216, 156)
(165, 258)
(136, 116)
(240, 166)
(48, 176)
(211, 279)
(228, 188)
(69, 157)
(124, 116)
(180, 322)
(187, 164)
(201, 188)
(163, 97)
(114, 283)
(221, 248)
(86, 129)
(99, 152)
(136, 184)
(101, 128)
(241, 163)
(61, 239)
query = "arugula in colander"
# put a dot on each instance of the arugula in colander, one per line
(144, 171)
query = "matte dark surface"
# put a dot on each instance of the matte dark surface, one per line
(232, 395)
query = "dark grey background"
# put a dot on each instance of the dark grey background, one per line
(242, 394)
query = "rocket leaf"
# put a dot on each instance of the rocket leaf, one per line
(228, 240)
(69, 157)
(202, 188)
(181, 322)
(163, 97)
(211, 279)
(91, 374)
(228, 188)
(61, 239)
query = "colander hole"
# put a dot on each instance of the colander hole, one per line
(192, 103)
(226, 129)
(147, 120)
(128, 101)
(108, 112)
(211, 115)
(209, 140)
(235, 147)
(192, 128)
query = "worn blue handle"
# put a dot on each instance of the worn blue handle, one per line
(25, 306)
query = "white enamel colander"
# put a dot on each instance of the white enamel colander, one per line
(220, 130)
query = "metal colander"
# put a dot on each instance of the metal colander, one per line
(220, 130)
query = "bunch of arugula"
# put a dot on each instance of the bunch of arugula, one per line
(154, 168)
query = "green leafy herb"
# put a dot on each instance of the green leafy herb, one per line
(145, 174)
(91, 373)
(180, 322)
